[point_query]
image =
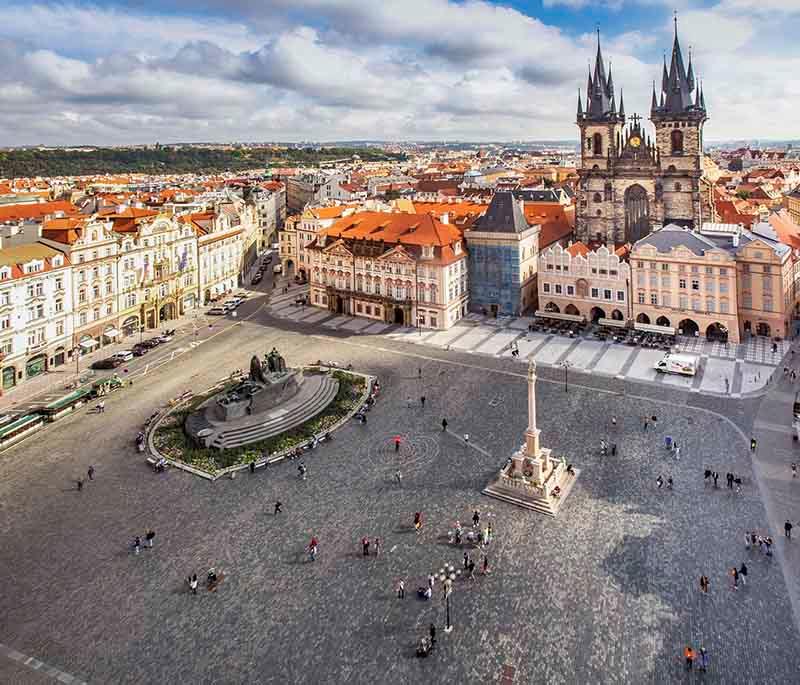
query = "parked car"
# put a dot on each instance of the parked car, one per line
(108, 363)
(139, 349)
(242, 295)
(217, 311)
(166, 337)
(256, 279)
(124, 355)
(230, 305)
(152, 342)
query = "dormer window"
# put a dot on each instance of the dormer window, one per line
(457, 247)
(427, 251)
(33, 267)
(58, 261)
(5, 273)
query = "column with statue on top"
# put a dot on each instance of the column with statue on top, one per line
(532, 478)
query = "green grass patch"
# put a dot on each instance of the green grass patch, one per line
(171, 440)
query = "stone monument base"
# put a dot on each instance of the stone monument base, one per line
(530, 482)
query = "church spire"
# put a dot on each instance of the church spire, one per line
(690, 74)
(654, 103)
(621, 104)
(600, 103)
(580, 105)
(678, 85)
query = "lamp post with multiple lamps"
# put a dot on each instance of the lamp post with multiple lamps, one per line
(566, 366)
(447, 575)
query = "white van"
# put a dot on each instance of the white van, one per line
(683, 364)
(277, 269)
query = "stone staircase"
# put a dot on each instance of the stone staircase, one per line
(544, 505)
(316, 393)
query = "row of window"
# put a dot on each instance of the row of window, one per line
(695, 269)
(594, 293)
(564, 268)
(683, 283)
(665, 300)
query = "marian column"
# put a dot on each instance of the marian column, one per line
(532, 434)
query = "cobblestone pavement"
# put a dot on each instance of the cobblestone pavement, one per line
(724, 370)
(605, 593)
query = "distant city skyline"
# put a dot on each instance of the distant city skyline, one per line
(417, 70)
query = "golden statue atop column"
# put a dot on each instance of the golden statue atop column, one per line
(532, 478)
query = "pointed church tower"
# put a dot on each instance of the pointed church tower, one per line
(678, 119)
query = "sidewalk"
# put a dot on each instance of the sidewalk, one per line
(772, 467)
(191, 328)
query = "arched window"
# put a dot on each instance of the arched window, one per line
(676, 138)
(599, 212)
(597, 197)
(598, 144)
(677, 187)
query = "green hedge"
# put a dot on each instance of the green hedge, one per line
(171, 440)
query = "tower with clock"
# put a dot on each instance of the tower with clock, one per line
(631, 182)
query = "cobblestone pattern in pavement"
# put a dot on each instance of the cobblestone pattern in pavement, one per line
(605, 593)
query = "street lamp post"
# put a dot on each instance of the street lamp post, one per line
(447, 575)
(566, 366)
(77, 352)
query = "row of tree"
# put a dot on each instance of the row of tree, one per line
(169, 160)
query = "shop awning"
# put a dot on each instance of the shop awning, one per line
(88, 344)
(111, 333)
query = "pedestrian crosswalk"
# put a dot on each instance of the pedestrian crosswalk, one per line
(725, 369)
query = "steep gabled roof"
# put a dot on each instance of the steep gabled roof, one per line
(504, 215)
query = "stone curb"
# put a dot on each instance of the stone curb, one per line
(229, 471)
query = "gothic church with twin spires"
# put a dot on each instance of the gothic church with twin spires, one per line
(629, 182)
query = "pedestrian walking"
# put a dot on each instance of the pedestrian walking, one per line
(419, 373)
(398, 477)
(466, 559)
(401, 590)
(735, 578)
(486, 565)
(90, 473)
(193, 583)
(418, 521)
(747, 540)
(768, 545)
(704, 584)
(613, 421)
(489, 533)
(787, 529)
(149, 536)
(794, 470)
(278, 509)
(422, 401)
(408, 402)
(753, 444)
(654, 419)
(431, 580)
(432, 631)
(703, 659)
(729, 478)
(688, 654)
(365, 546)
(137, 544)
(613, 449)
(79, 483)
(659, 482)
(669, 483)
(677, 453)
(603, 448)
(466, 440)
(397, 443)
(743, 573)
(476, 518)
(377, 546)
(727, 386)
(646, 423)
(444, 425)
(471, 569)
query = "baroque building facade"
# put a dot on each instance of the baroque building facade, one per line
(630, 182)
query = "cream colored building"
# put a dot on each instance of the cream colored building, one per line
(575, 280)
(158, 278)
(396, 268)
(220, 251)
(90, 244)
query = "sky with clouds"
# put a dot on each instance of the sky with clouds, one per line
(138, 71)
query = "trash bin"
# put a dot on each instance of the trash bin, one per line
(668, 442)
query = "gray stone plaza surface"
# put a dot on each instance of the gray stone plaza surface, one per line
(606, 593)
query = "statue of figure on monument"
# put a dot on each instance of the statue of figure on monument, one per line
(256, 370)
(275, 362)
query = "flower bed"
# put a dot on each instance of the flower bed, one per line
(173, 443)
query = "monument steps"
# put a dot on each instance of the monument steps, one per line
(544, 505)
(316, 393)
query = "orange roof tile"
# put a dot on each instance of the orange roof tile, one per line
(36, 211)
(578, 249)
(398, 228)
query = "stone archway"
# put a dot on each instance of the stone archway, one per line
(643, 318)
(596, 314)
(663, 321)
(763, 329)
(688, 327)
(572, 309)
(617, 315)
(637, 213)
(717, 332)
(552, 307)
